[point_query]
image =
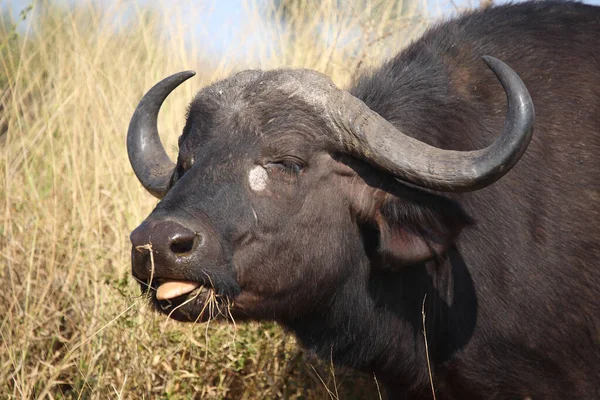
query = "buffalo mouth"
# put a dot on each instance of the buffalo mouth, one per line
(187, 301)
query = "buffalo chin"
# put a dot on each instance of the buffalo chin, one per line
(200, 305)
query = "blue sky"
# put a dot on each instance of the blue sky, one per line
(215, 23)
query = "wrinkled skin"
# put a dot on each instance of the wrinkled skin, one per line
(345, 256)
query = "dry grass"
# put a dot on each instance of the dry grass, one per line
(72, 323)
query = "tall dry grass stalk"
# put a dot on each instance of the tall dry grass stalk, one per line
(72, 324)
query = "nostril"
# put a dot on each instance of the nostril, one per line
(181, 244)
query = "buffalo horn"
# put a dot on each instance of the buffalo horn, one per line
(150, 162)
(365, 134)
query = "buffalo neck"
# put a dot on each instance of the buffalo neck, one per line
(374, 321)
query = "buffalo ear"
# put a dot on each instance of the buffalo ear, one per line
(417, 227)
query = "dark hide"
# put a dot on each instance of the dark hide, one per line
(345, 256)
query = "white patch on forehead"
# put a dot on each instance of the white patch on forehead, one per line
(257, 178)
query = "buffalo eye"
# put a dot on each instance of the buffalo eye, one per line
(180, 170)
(287, 165)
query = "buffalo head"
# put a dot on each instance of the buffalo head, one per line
(288, 190)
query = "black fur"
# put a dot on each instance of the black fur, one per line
(345, 256)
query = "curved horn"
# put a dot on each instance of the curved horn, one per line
(147, 156)
(367, 135)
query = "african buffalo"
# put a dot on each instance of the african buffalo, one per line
(345, 214)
